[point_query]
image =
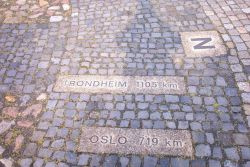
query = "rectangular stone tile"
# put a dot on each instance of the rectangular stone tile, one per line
(120, 84)
(136, 141)
(202, 44)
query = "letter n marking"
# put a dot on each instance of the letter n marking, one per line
(201, 45)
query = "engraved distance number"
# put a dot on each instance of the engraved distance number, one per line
(153, 84)
(153, 141)
(148, 141)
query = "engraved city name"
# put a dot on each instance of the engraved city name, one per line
(136, 141)
(120, 84)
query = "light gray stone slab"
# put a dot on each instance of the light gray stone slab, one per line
(202, 44)
(120, 84)
(136, 141)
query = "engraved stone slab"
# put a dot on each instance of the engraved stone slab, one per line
(120, 84)
(136, 141)
(202, 44)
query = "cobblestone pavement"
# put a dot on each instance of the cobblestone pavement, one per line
(41, 127)
(30, 11)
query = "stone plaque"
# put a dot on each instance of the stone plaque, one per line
(136, 141)
(120, 84)
(202, 44)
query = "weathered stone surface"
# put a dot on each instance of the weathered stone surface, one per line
(20, 2)
(37, 135)
(202, 43)
(24, 100)
(42, 97)
(43, 2)
(34, 110)
(247, 109)
(241, 139)
(125, 38)
(7, 162)
(11, 111)
(35, 15)
(5, 125)
(10, 98)
(56, 18)
(136, 141)
(246, 97)
(25, 123)
(1, 150)
(246, 10)
(244, 86)
(54, 8)
(19, 142)
(120, 84)
(30, 149)
(25, 162)
(66, 7)
(202, 150)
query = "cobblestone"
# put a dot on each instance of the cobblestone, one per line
(179, 162)
(135, 161)
(83, 159)
(197, 163)
(203, 150)
(231, 153)
(25, 162)
(41, 40)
